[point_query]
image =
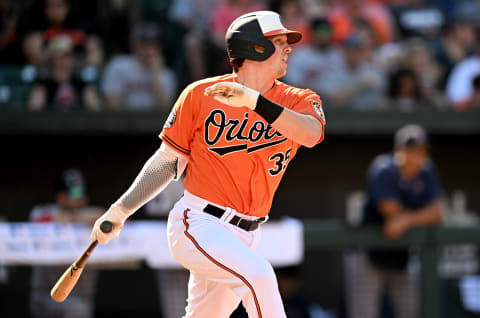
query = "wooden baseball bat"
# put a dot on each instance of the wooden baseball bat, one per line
(67, 281)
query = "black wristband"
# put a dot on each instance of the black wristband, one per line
(267, 109)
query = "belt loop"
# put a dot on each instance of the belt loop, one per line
(227, 216)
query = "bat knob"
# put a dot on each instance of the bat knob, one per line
(106, 226)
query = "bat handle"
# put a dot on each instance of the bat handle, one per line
(106, 226)
(80, 263)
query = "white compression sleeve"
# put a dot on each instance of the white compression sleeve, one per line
(156, 174)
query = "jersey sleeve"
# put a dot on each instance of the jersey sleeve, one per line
(311, 104)
(384, 186)
(178, 128)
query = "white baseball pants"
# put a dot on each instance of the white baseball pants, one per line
(224, 267)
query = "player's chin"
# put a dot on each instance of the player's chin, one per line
(282, 72)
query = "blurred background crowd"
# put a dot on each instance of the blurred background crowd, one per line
(402, 55)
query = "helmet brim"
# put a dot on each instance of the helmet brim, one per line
(292, 36)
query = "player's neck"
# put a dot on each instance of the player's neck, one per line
(254, 79)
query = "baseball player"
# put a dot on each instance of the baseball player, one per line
(236, 135)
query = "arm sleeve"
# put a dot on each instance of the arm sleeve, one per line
(156, 174)
(178, 129)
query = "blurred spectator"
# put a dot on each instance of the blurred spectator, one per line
(226, 13)
(389, 57)
(353, 81)
(294, 17)
(420, 60)
(344, 15)
(10, 48)
(467, 10)
(172, 33)
(448, 7)
(372, 46)
(153, 10)
(70, 206)
(207, 56)
(194, 17)
(414, 84)
(60, 88)
(140, 81)
(455, 44)
(459, 87)
(474, 100)
(192, 14)
(116, 18)
(403, 192)
(418, 18)
(50, 18)
(309, 64)
(404, 91)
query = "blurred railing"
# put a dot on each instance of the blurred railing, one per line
(336, 235)
(134, 123)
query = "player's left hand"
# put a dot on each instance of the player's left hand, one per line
(396, 226)
(117, 217)
(233, 94)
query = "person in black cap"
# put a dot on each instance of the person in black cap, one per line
(140, 81)
(70, 201)
(70, 206)
(403, 192)
(310, 62)
(61, 87)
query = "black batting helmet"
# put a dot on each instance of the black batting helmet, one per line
(252, 29)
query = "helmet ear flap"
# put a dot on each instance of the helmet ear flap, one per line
(266, 45)
(255, 49)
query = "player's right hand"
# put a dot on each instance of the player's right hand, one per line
(233, 94)
(117, 217)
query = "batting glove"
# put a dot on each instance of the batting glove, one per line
(117, 217)
(233, 94)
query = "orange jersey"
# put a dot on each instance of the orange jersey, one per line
(235, 158)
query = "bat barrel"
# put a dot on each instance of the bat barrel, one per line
(65, 284)
(67, 281)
